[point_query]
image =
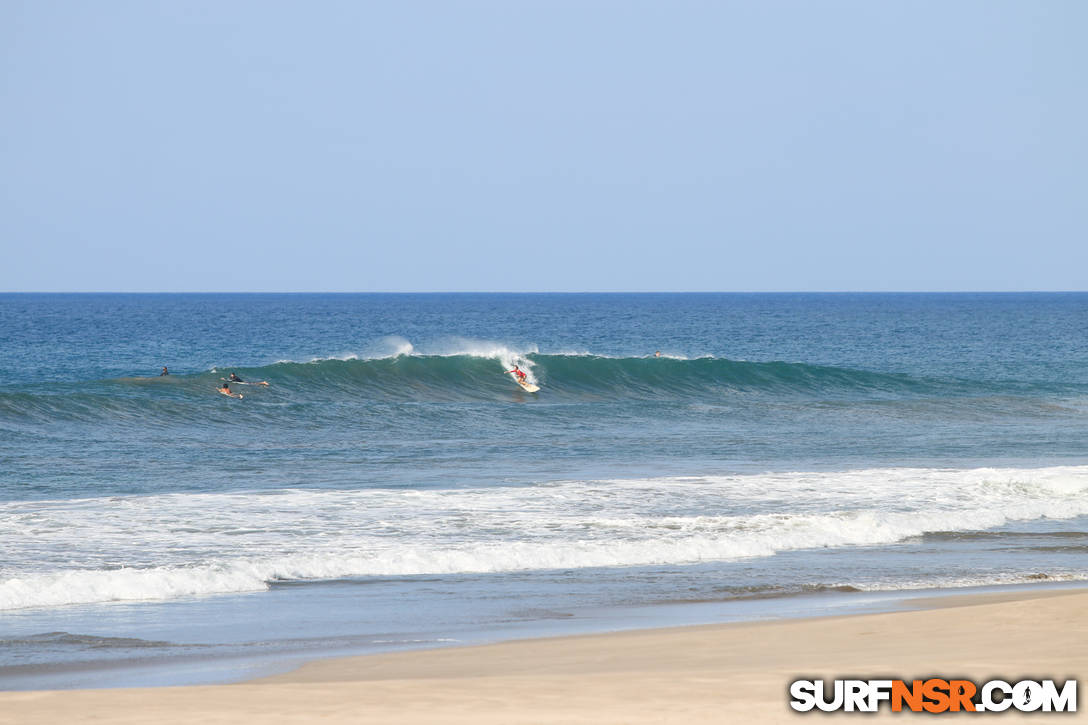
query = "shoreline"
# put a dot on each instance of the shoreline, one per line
(234, 665)
(697, 673)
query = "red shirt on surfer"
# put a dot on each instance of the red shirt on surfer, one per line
(517, 371)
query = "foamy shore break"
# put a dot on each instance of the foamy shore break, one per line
(712, 674)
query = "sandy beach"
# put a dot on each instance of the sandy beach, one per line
(717, 673)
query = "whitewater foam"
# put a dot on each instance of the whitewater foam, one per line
(508, 357)
(184, 545)
(392, 347)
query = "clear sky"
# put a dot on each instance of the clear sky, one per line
(535, 146)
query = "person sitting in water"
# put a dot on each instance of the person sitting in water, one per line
(517, 371)
(164, 371)
(225, 390)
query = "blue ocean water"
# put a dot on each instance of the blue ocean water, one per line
(392, 487)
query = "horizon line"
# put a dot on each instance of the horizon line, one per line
(533, 292)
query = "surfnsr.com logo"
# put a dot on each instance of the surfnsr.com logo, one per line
(933, 695)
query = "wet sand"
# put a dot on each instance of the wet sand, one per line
(707, 674)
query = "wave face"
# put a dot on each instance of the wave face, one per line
(481, 377)
(427, 377)
(178, 546)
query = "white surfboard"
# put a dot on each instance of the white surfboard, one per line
(529, 387)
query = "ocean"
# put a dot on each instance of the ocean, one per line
(689, 458)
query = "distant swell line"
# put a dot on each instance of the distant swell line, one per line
(481, 377)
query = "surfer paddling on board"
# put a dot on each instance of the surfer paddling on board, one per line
(233, 378)
(225, 390)
(517, 373)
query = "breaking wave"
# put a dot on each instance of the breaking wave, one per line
(476, 372)
(184, 545)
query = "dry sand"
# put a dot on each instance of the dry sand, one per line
(733, 673)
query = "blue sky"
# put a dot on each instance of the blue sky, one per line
(565, 146)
